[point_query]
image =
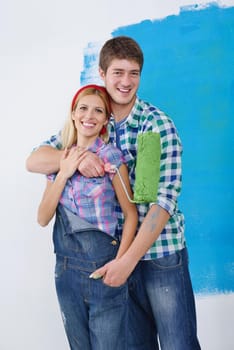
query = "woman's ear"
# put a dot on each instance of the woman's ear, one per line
(73, 115)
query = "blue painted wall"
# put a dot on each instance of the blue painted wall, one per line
(189, 73)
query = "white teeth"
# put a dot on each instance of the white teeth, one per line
(124, 90)
(88, 124)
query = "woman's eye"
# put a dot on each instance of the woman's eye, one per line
(99, 110)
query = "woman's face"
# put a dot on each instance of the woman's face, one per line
(89, 116)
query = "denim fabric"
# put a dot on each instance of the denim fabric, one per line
(68, 240)
(142, 333)
(95, 316)
(168, 299)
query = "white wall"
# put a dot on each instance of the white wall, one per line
(41, 45)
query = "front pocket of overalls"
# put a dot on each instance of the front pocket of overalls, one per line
(94, 245)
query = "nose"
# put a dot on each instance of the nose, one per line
(126, 80)
(89, 113)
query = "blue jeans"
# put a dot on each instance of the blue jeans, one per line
(95, 316)
(163, 288)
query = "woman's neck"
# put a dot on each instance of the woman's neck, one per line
(85, 142)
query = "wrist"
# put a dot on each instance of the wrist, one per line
(128, 261)
(61, 176)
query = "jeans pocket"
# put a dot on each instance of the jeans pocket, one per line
(114, 295)
(167, 262)
(121, 287)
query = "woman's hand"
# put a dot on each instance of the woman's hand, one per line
(70, 161)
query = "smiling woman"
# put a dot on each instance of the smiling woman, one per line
(90, 119)
(84, 233)
(89, 114)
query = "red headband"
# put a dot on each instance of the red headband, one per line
(91, 86)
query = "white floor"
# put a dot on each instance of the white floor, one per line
(215, 316)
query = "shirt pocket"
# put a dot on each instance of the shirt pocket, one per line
(95, 187)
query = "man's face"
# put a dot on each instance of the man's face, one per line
(122, 80)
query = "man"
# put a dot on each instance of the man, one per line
(157, 260)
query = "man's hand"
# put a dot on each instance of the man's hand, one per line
(90, 165)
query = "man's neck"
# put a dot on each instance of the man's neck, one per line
(120, 112)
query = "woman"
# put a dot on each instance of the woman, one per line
(94, 314)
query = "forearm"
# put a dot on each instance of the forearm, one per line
(118, 270)
(44, 160)
(128, 233)
(148, 233)
(50, 200)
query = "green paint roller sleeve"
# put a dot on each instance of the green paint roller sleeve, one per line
(147, 167)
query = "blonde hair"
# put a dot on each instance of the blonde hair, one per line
(69, 132)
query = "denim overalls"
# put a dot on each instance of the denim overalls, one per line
(95, 315)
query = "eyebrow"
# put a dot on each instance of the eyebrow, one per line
(123, 70)
(86, 105)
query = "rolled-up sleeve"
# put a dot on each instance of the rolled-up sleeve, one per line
(170, 181)
(53, 141)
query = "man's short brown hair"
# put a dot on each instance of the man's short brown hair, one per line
(120, 47)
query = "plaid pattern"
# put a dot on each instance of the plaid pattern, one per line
(145, 117)
(93, 199)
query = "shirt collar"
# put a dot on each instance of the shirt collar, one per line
(97, 145)
(134, 116)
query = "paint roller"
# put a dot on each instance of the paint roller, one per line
(147, 170)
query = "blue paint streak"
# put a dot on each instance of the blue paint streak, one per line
(189, 73)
